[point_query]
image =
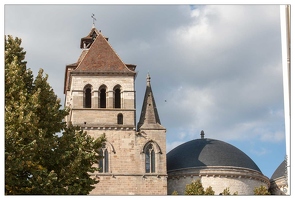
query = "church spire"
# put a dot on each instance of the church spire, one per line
(149, 118)
(148, 80)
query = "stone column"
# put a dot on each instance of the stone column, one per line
(110, 99)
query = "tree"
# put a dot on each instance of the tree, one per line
(262, 190)
(37, 160)
(196, 188)
(209, 191)
(174, 192)
(227, 192)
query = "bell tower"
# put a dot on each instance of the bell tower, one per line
(100, 92)
(99, 87)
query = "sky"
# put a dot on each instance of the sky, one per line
(216, 68)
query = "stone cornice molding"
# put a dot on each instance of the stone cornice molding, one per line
(218, 171)
(106, 127)
(87, 73)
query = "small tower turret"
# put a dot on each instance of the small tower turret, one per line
(149, 118)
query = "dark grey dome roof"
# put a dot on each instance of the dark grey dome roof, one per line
(280, 171)
(208, 152)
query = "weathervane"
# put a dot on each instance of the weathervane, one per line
(92, 16)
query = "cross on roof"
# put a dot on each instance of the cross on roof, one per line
(94, 19)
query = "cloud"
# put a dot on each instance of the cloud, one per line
(260, 151)
(215, 68)
(223, 77)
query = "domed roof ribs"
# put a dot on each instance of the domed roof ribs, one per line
(149, 118)
(208, 153)
(280, 171)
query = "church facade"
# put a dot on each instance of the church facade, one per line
(100, 92)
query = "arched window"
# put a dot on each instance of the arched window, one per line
(117, 97)
(149, 159)
(120, 118)
(103, 98)
(103, 163)
(87, 96)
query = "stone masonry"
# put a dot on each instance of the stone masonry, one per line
(134, 160)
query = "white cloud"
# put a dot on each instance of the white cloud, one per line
(217, 67)
(259, 151)
(271, 136)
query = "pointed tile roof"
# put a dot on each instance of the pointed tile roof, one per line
(149, 118)
(97, 57)
(101, 57)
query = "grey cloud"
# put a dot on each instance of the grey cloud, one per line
(216, 68)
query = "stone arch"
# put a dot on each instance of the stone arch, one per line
(117, 96)
(150, 152)
(105, 163)
(110, 147)
(87, 96)
(120, 118)
(102, 97)
(155, 145)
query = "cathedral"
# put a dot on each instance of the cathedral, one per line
(100, 91)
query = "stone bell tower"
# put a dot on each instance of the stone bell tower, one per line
(100, 92)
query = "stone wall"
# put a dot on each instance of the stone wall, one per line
(238, 180)
(102, 117)
(130, 185)
(127, 164)
(126, 174)
(75, 97)
(279, 186)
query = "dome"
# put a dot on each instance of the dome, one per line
(280, 171)
(208, 152)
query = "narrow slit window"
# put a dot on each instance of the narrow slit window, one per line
(87, 98)
(106, 161)
(118, 98)
(150, 159)
(120, 118)
(103, 163)
(103, 98)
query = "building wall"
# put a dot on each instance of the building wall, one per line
(131, 185)
(127, 164)
(94, 117)
(126, 174)
(243, 186)
(242, 181)
(126, 83)
(279, 186)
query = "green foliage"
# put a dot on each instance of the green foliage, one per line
(227, 192)
(37, 161)
(196, 188)
(209, 191)
(174, 192)
(262, 190)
